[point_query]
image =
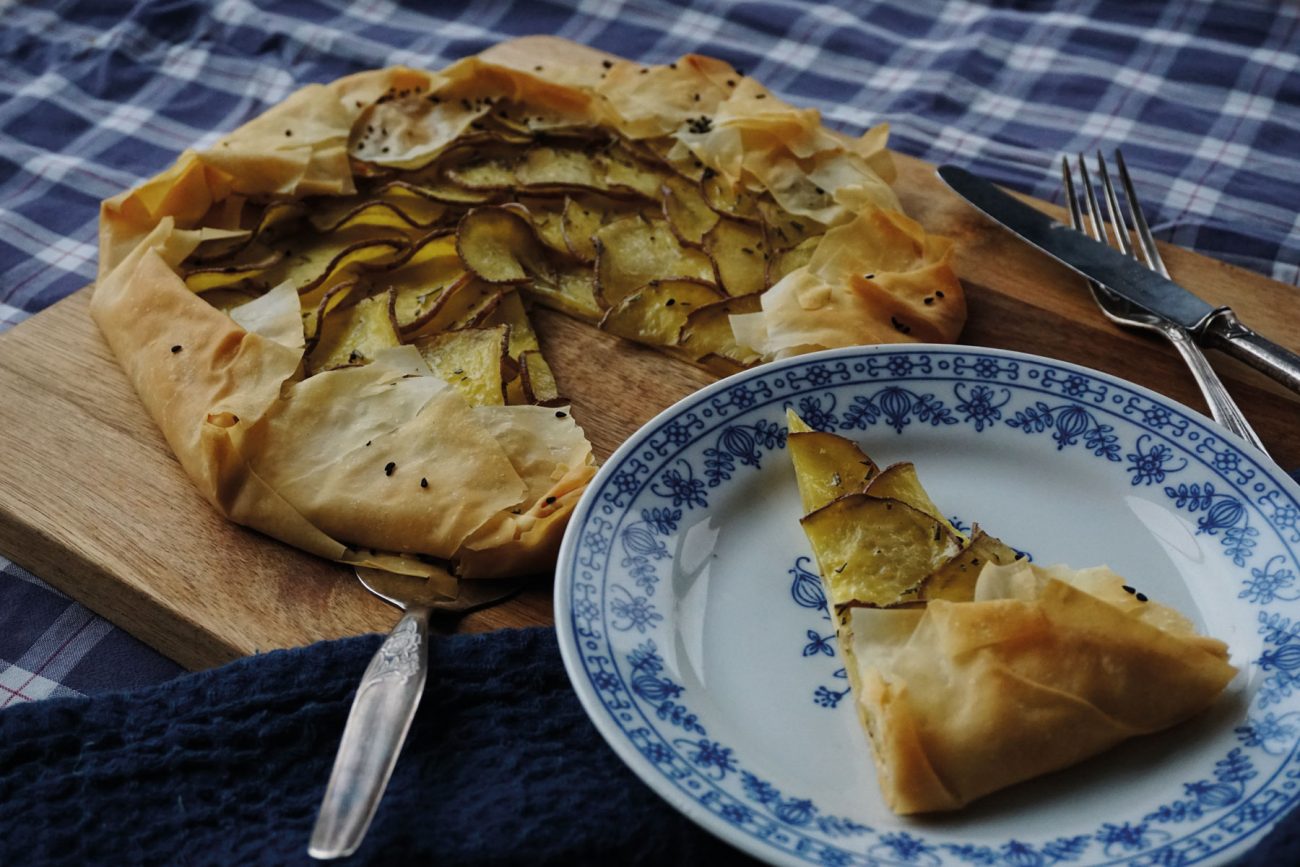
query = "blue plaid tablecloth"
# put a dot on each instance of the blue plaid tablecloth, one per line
(1203, 97)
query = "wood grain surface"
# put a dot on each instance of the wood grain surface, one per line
(92, 500)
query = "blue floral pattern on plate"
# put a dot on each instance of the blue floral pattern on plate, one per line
(629, 562)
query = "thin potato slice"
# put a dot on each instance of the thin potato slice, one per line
(547, 166)
(656, 313)
(498, 245)
(275, 220)
(573, 291)
(247, 275)
(420, 281)
(317, 261)
(900, 482)
(827, 467)
(511, 313)
(547, 217)
(954, 580)
(739, 254)
(782, 263)
(874, 551)
(352, 335)
(411, 212)
(623, 170)
(537, 380)
(707, 332)
(497, 173)
(784, 229)
(729, 201)
(687, 213)
(472, 360)
(634, 250)
(435, 188)
(313, 316)
(466, 303)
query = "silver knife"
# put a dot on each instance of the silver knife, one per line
(1214, 326)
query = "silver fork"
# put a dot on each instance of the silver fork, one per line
(387, 698)
(1123, 312)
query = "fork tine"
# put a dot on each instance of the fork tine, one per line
(1150, 252)
(1071, 198)
(1117, 221)
(1095, 228)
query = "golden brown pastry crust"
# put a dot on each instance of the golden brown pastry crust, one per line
(249, 430)
(964, 698)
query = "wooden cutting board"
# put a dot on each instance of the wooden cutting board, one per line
(92, 500)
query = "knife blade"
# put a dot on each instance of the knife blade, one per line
(1097, 261)
(1215, 326)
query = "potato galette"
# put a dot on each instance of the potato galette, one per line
(327, 312)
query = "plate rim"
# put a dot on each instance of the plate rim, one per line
(568, 642)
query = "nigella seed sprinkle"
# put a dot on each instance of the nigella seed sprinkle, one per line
(389, 467)
(608, 64)
(368, 442)
(288, 132)
(929, 299)
(900, 327)
(561, 414)
(1129, 590)
(1140, 597)
(424, 483)
(670, 302)
(731, 82)
(537, 69)
(176, 348)
(550, 501)
(938, 294)
(868, 276)
(761, 96)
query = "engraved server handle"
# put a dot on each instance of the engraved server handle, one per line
(1224, 331)
(376, 729)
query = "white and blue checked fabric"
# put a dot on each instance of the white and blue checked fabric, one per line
(1203, 97)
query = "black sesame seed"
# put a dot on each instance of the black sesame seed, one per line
(670, 302)
(929, 299)
(608, 64)
(288, 132)
(176, 348)
(424, 483)
(389, 467)
(1140, 597)
(938, 294)
(368, 442)
(1128, 589)
(561, 414)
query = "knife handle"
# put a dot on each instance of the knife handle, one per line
(381, 715)
(1225, 332)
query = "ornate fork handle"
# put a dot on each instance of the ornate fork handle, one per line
(1223, 408)
(376, 729)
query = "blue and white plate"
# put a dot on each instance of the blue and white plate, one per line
(695, 631)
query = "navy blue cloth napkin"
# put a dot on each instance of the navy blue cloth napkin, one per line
(226, 767)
